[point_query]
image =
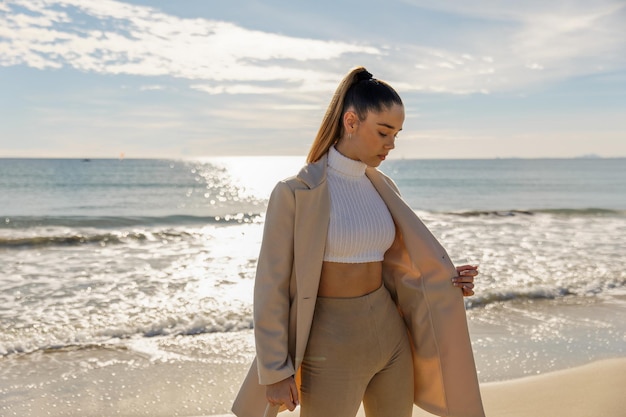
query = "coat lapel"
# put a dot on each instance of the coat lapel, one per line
(311, 227)
(433, 310)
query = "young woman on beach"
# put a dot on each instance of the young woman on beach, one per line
(355, 300)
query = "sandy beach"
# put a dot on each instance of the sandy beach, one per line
(592, 390)
(195, 389)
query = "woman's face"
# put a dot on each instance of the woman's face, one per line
(371, 140)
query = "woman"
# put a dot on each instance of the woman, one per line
(345, 269)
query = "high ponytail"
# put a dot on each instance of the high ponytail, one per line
(357, 90)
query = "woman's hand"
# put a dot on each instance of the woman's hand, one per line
(283, 392)
(465, 278)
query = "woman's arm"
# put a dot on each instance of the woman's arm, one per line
(271, 289)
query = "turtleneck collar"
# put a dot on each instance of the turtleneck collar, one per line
(344, 165)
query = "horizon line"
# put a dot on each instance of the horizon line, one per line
(398, 158)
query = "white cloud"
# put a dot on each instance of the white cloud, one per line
(445, 65)
(534, 66)
(137, 40)
(152, 87)
(529, 42)
(235, 89)
(557, 40)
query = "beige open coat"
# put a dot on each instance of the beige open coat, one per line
(416, 270)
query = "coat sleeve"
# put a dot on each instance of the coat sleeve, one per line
(271, 289)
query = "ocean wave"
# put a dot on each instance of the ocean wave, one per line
(83, 239)
(28, 348)
(104, 222)
(544, 293)
(32, 232)
(555, 211)
(477, 301)
(48, 343)
(582, 212)
(117, 337)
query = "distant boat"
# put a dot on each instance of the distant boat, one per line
(86, 160)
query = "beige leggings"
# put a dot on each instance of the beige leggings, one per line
(358, 350)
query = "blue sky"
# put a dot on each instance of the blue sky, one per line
(197, 78)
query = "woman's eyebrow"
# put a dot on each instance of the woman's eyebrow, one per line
(388, 126)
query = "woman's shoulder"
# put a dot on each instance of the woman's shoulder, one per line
(292, 183)
(310, 176)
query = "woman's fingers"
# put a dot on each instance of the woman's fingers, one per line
(294, 396)
(283, 392)
(467, 292)
(465, 278)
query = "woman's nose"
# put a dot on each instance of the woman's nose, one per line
(391, 144)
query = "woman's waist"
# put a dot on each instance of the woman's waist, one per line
(346, 280)
(355, 309)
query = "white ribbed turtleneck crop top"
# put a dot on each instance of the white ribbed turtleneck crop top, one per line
(361, 228)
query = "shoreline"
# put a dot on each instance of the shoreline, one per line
(549, 358)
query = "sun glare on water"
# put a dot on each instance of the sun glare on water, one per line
(256, 176)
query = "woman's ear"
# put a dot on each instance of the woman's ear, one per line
(350, 121)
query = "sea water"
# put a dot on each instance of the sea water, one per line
(153, 256)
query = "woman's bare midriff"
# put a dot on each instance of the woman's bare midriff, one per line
(343, 280)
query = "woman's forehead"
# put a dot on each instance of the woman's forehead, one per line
(391, 117)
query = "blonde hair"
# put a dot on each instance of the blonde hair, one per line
(359, 91)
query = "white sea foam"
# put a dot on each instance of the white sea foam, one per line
(153, 249)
